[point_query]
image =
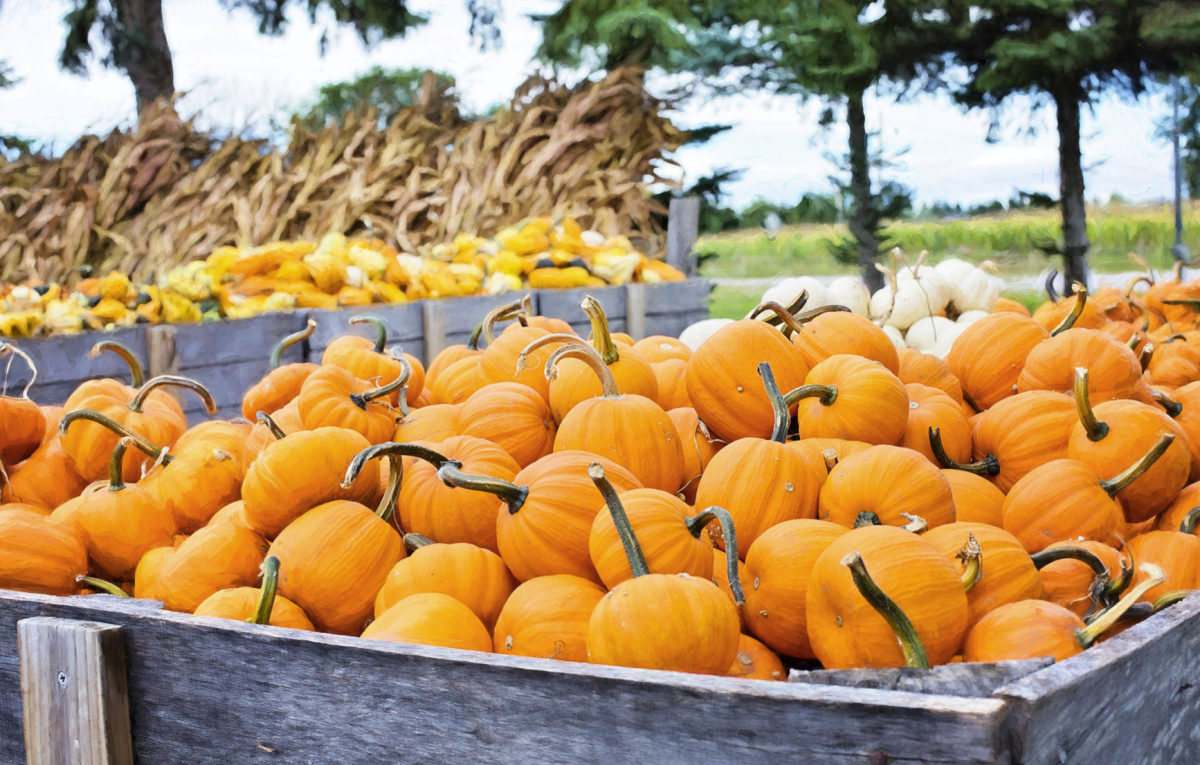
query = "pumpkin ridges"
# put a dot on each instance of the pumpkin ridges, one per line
(547, 617)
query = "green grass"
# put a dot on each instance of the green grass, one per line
(729, 302)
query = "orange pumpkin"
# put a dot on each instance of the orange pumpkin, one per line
(453, 353)
(1020, 434)
(431, 618)
(699, 447)
(204, 475)
(333, 397)
(1174, 364)
(513, 417)
(890, 482)
(976, 499)
(257, 605)
(843, 333)
(1115, 371)
(547, 618)
(851, 398)
(214, 558)
(1081, 575)
(756, 662)
(432, 424)
(39, 555)
(927, 369)
(990, 355)
(366, 360)
(659, 348)
(1008, 305)
(457, 382)
(1003, 573)
(1176, 553)
(47, 478)
(930, 408)
(1177, 511)
(22, 422)
(1187, 416)
(672, 384)
(283, 381)
(499, 363)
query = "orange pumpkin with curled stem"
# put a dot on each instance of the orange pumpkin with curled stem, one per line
(1177, 553)
(1065, 314)
(39, 555)
(137, 376)
(840, 333)
(22, 422)
(432, 509)
(366, 360)
(723, 383)
(930, 408)
(778, 568)
(257, 605)
(47, 478)
(468, 573)
(1030, 629)
(756, 662)
(456, 383)
(299, 472)
(499, 363)
(333, 397)
(1178, 510)
(205, 475)
(1081, 575)
(889, 481)
(1018, 435)
(214, 558)
(527, 318)
(1174, 363)
(431, 618)
(927, 369)
(1106, 434)
(976, 499)
(660, 621)
(672, 384)
(1005, 572)
(659, 348)
(512, 416)
(547, 618)
(268, 429)
(699, 447)
(90, 444)
(453, 353)
(1115, 370)
(282, 383)
(631, 430)
(433, 424)
(762, 482)
(1065, 499)
(880, 597)
(851, 398)
(990, 355)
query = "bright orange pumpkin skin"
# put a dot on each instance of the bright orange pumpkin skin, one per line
(498, 364)
(761, 483)
(756, 662)
(457, 383)
(47, 478)
(22, 426)
(445, 358)
(549, 533)
(304, 470)
(659, 521)
(1050, 315)
(119, 527)
(931, 408)
(633, 432)
(333, 560)
(665, 621)
(847, 632)
(90, 445)
(472, 575)
(1188, 397)
(147, 584)
(1008, 305)
(989, 356)
(206, 475)
(431, 618)
(1176, 553)
(778, 569)
(325, 401)
(576, 382)
(1068, 581)
(547, 618)
(234, 512)
(1027, 629)
(723, 383)
(927, 369)
(887, 481)
(976, 499)
(1113, 367)
(1009, 573)
(1061, 500)
(814, 448)
(513, 417)
(213, 559)
(836, 333)
(672, 384)
(39, 555)
(1175, 364)
(699, 448)
(276, 390)
(1173, 515)
(288, 420)
(357, 356)
(871, 404)
(430, 508)
(1024, 432)
(432, 424)
(659, 348)
(240, 603)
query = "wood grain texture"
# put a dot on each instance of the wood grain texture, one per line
(246, 693)
(74, 693)
(970, 680)
(62, 362)
(215, 343)
(565, 305)
(1134, 698)
(405, 322)
(635, 310)
(683, 229)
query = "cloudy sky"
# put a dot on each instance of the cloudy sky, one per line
(237, 80)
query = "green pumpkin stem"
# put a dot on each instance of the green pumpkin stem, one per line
(137, 372)
(473, 340)
(826, 394)
(1081, 295)
(793, 307)
(1106, 620)
(562, 338)
(906, 633)
(1135, 471)
(498, 314)
(276, 358)
(102, 585)
(276, 431)
(376, 321)
(629, 540)
(589, 356)
(1096, 430)
(988, 466)
(413, 542)
(807, 316)
(785, 318)
(1188, 525)
(778, 407)
(362, 399)
(175, 381)
(266, 593)
(698, 523)
(395, 453)
(601, 336)
(867, 518)
(971, 555)
(514, 496)
(1169, 599)
(136, 439)
(1172, 407)
(1146, 355)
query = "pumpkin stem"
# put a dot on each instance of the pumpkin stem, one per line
(971, 555)
(139, 399)
(1146, 355)
(362, 399)
(1169, 599)
(781, 313)
(1050, 292)
(906, 633)
(514, 496)
(633, 550)
(5, 349)
(473, 340)
(116, 481)
(916, 524)
(135, 438)
(793, 307)
(807, 316)
(1172, 407)
(1135, 281)
(1048, 556)
(588, 355)
(826, 394)
(136, 369)
(394, 452)
(1188, 526)
(265, 419)
(988, 466)
(778, 407)
(498, 314)
(601, 336)
(1193, 303)
(1137, 469)
(103, 585)
(1096, 430)
(287, 342)
(1105, 621)
(416, 541)
(1076, 310)
(698, 523)
(266, 594)
(376, 321)
(866, 518)
(523, 361)
(831, 459)
(1134, 340)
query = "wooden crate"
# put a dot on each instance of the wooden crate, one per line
(213, 691)
(62, 363)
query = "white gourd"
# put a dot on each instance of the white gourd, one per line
(895, 336)
(697, 333)
(786, 290)
(967, 318)
(954, 269)
(979, 291)
(926, 333)
(852, 293)
(946, 341)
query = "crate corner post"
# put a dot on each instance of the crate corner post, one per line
(74, 691)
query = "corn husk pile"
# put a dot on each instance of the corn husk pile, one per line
(144, 201)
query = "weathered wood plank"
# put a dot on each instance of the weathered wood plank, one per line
(213, 343)
(451, 321)
(405, 321)
(211, 691)
(683, 229)
(565, 305)
(1134, 698)
(971, 680)
(74, 693)
(62, 362)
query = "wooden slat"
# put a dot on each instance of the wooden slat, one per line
(211, 691)
(62, 362)
(1134, 698)
(635, 310)
(565, 305)
(74, 694)
(683, 229)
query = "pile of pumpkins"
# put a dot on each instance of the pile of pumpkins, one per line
(794, 489)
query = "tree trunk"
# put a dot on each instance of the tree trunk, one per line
(145, 57)
(860, 188)
(1070, 177)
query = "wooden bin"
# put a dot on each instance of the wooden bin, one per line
(190, 690)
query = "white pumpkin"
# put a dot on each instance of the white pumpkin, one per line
(979, 291)
(852, 293)
(967, 318)
(895, 336)
(785, 291)
(697, 333)
(954, 269)
(926, 333)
